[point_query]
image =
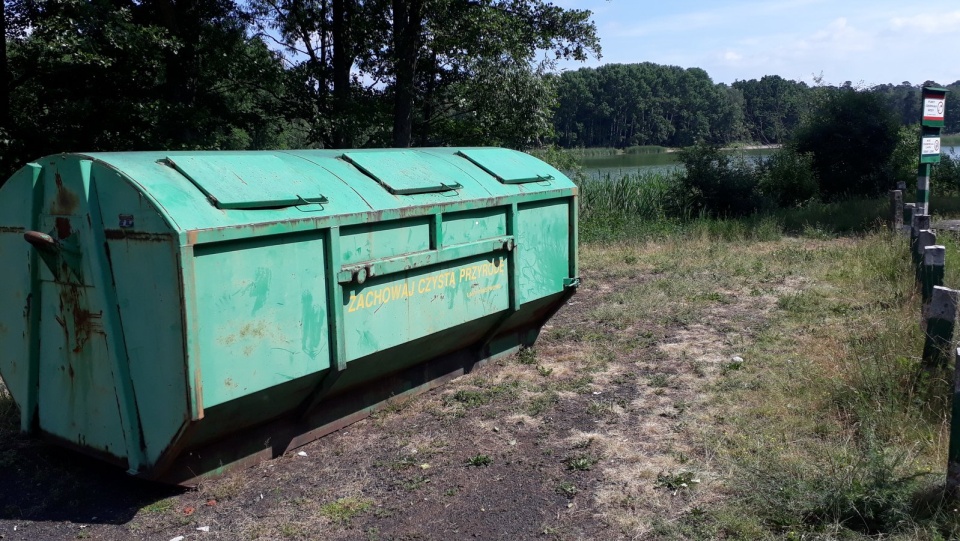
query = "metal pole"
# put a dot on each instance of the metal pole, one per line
(923, 189)
(917, 224)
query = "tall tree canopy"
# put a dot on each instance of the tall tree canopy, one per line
(426, 71)
(123, 75)
(621, 105)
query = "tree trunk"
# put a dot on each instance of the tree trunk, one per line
(407, 28)
(5, 73)
(342, 61)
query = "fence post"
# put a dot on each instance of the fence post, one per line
(934, 258)
(953, 456)
(896, 210)
(940, 323)
(918, 222)
(927, 237)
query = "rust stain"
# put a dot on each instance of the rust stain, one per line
(65, 202)
(63, 228)
(85, 322)
(123, 234)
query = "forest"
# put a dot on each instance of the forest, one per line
(105, 75)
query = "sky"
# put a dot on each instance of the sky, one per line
(864, 42)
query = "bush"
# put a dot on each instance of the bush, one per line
(852, 136)
(945, 176)
(788, 179)
(717, 185)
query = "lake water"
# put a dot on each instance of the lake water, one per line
(621, 164)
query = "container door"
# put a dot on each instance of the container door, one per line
(77, 401)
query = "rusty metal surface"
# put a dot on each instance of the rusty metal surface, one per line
(160, 310)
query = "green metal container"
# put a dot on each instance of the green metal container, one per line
(177, 313)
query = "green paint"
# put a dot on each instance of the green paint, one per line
(232, 292)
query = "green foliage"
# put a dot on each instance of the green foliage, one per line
(717, 185)
(625, 105)
(905, 158)
(91, 76)
(787, 178)
(344, 510)
(852, 136)
(479, 460)
(945, 176)
(772, 107)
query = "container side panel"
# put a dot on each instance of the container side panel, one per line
(77, 397)
(143, 259)
(398, 308)
(15, 220)
(262, 315)
(473, 225)
(544, 248)
(380, 240)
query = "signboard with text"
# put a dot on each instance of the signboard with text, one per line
(934, 106)
(930, 149)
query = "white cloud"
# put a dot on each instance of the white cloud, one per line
(929, 23)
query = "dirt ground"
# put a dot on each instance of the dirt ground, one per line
(591, 435)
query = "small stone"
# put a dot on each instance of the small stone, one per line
(203, 529)
(302, 453)
(737, 359)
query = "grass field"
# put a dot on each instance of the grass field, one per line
(712, 379)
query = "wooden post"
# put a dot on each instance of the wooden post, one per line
(927, 237)
(940, 323)
(934, 258)
(953, 455)
(896, 210)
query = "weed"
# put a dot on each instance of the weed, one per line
(344, 510)
(415, 483)
(291, 530)
(479, 460)
(527, 356)
(544, 371)
(676, 481)
(659, 380)
(731, 366)
(542, 402)
(480, 397)
(568, 489)
(161, 506)
(581, 462)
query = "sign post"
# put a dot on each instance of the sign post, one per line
(932, 120)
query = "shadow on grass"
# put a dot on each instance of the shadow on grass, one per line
(42, 482)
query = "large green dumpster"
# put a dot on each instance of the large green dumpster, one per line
(177, 313)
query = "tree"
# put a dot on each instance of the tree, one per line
(773, 107)
(427, 59)
(851, 136)
(122, 75)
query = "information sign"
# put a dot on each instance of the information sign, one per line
(930, 150)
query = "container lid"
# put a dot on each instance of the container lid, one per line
(405, 172)
(246, 181)
(507, 166)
